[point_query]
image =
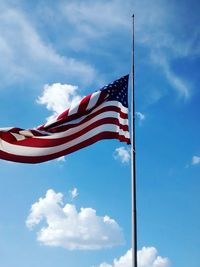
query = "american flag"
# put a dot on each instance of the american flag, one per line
(100, 115)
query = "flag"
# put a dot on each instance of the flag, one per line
(100, 115)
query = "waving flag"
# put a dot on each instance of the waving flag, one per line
(100, 115)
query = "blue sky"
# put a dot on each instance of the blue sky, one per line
(54, 53)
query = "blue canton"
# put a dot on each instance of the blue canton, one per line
(118, 90)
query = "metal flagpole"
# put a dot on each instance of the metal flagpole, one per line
(133, 169)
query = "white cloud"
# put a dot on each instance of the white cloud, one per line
(167, 41)
(195, 160)
(58, 97)
(122, 154)
(72, 229)
(156, 30)
(73, 193)
(25, 55)
(92, 22)
(147, 257)
(140, 116)
(178, 83)
(95, 19)
(61, 159)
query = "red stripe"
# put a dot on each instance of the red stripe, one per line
(36, 133)
(37, 142)
(40, 128)
(101, 99)
(83, 104)
(63, 115)
(57, 127)
(83, 111)
(13, 130)
(40, 159)
(7, 136)
(18, 130)
(65, 128)
(89, 112)
(87, 119)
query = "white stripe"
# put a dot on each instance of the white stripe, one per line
(74, 108)
(5, 129)
(93, 100)
(103, 115)
(18, 137)
(107, 114)
(41, 132)
(106, 104)
(53, 120)
(29, 151)
(26, 133)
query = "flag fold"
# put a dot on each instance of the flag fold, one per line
(100, 115)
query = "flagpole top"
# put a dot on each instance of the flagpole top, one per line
(133, 16)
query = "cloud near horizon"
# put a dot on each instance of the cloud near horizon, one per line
(69, 228)
(147, 257)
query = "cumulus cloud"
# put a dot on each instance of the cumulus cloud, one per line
(147, 257)
(123, 154)
(195, 160)
(70, 228)
(58, 97)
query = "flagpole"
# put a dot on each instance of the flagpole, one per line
(133, 164)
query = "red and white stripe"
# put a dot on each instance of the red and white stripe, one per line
(91, 120)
